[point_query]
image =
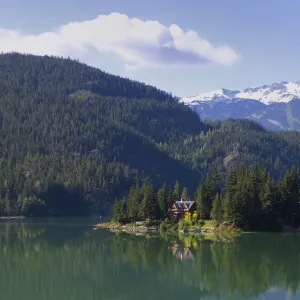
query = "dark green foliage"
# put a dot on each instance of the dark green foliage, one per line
(235, 143)
(185, 194)
(250, 200)
(134, 202)
(176, 191)
(162, 201)
(149, 202)
(253, 201)
(32, 206)
(205, 195)
(63, 202)
(217, 210)
(119, 211)
(290, 197)
(202, 201)
(94, 135)
(143, 203)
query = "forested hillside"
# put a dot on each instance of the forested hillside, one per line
(233, 143)
(73, 137)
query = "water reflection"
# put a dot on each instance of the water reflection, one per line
(181, 252)
(44, 261)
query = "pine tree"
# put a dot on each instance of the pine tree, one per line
(176, 192)
(119, 211)
(217, 210)
(133, 204)
(7, 206)
(238, 198)
(170, 196)
(230, 189)
(211, 191)
(271, 220)
(202, 201)
(290, 197)
(267, 195)
(162, 201)
(149, 204)
(257, 179)
(185, 194)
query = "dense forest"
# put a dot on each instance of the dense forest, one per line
(73, 138)
(250, 199)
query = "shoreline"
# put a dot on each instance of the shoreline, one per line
(116, 227)
(13, 218)
(206, 234)
(145, 227)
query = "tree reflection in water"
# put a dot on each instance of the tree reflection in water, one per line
(58, 262)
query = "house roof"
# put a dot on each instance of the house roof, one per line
(184, 204)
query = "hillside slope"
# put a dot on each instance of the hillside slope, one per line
(73, 135)
(95, 133)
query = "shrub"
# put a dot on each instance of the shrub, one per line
(167, 225)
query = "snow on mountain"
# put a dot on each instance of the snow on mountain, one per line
(215, 95)
(268, 94)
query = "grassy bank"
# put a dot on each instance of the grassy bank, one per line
(203, 227)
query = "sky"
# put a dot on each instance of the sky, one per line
(184, 47)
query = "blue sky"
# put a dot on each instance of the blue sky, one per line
(234, 44)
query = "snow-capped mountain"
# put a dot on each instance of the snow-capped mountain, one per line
(276, 106)
(268, 94)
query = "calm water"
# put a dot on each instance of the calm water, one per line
(42, 261)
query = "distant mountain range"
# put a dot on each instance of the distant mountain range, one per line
(275, 106)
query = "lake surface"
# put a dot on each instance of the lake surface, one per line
(69, 260)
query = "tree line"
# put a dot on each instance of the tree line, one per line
(145, 202)
(249, 199)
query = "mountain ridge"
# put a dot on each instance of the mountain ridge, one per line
(275, 106)
(276, 92)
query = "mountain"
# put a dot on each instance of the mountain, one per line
(94, 134)
(275, 106)
(73, 137)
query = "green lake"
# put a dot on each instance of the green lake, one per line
(68, 260)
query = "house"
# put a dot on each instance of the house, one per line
(179, 208)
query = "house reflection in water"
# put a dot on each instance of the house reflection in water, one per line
(181, 252)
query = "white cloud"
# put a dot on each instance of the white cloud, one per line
(140, 44)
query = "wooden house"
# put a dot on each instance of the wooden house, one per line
(179, 208)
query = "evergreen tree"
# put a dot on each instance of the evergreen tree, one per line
(8, 210)
(32, 206)
(149, 204)
(185, 194)
(271, 219)
(170, 196)
(133, 205)
(290, 197)
(119, 211)
(217, 210)
(202, 201)
(176, 191)
(257, 179)
(162, 200)
(230, 189)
